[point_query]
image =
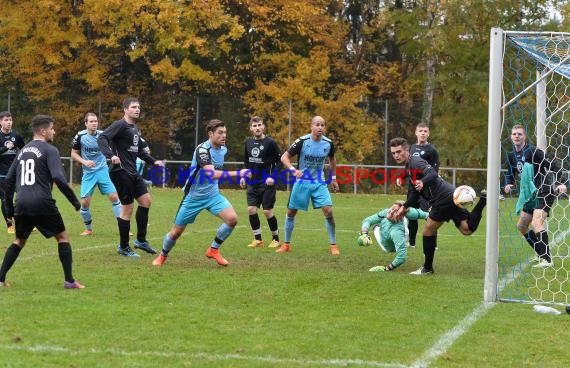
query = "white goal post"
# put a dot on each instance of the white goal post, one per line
(529, 84)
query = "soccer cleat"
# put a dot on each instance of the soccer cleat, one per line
(215, 254)
(274, 244)
(144, 246)
(127, 252)
(11, 229)
(410, 245)
(86, 232)
(334, 250)
(543, 263)
(378, 269)
(159, 261)
(422, 271)
(255, 244)
(286, 247)
(73, 285)
(4, 284)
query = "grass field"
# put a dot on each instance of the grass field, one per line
(301, 309)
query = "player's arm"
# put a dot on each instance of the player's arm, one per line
(286, 161)
(435, 162)
(370, 221)
(20, 141)
(415, 214)
(105, 139)
(10, 186)
(511, 173)
(332, 167)
(54, 166)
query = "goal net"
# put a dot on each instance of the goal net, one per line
(529, 85)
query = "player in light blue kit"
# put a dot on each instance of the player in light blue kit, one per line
(391, 235)
(85, 150)
(201, 192)
(310, 185)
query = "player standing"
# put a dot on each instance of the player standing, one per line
(310, 185)
(85, 150)
(122, 143)
(262, 156)
(31, 176)
(423, 149)
(10, 143)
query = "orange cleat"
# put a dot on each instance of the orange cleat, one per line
(215, 254)
(86, 232)
(334, 250)
(255, 244)
(286, 247)
(274, 244)
(159, 261)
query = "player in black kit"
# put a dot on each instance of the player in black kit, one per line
(425, 182)
(121, 143)
(10, 143)
(427, 151)
(534, 211)
(31, 176)
(263, 157)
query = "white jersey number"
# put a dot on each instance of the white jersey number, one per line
(27, 174)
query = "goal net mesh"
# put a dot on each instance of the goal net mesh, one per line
(536, 94)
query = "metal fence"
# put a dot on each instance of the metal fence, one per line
(369, 179)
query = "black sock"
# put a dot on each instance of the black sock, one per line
(142, 222)
(274, 227)
(124, 229)
(413, 228)
(543, 250)
(429, 243)
(64, 250)
(255, 226)
(531, 239)
(12, 253)
(475, 216)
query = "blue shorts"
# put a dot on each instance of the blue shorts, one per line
(191, 207)
(300, 195)
(92, 179)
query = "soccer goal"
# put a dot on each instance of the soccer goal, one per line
(529, 84)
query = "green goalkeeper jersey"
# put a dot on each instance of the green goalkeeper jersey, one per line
(393, 234)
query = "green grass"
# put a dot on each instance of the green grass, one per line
(301, 309)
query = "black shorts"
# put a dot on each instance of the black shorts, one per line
(128, 186)
(48, 225)
(261, 194)
(448, 212)
(2, 187)
(544, 201)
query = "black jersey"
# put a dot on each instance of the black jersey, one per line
(8, 155)
(261, 156)
(542, 167)
(31, 176)
(427, 152)
(435, 190)
(124, 140)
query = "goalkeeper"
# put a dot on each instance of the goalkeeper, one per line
(392, 233)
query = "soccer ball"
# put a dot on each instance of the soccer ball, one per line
(464, 196)
(364, 240)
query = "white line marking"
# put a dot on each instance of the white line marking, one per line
(205, 356)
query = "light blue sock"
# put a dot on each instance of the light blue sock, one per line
(116, 208)
(167, 244)
(86, 216)
(289, 226)
(224, 231)
(330, 225)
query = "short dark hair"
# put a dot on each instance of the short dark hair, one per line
(256, 119)
(5, 114)
(88, 115)
(395, 142)
(128, 101)
(40, 122)
(214, 124)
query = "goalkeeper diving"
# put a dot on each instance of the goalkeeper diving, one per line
(392, 233)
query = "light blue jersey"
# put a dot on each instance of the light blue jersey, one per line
(200, 183)
(86, 145)
(312, 155)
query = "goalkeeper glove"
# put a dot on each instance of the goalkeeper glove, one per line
(364, 240)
